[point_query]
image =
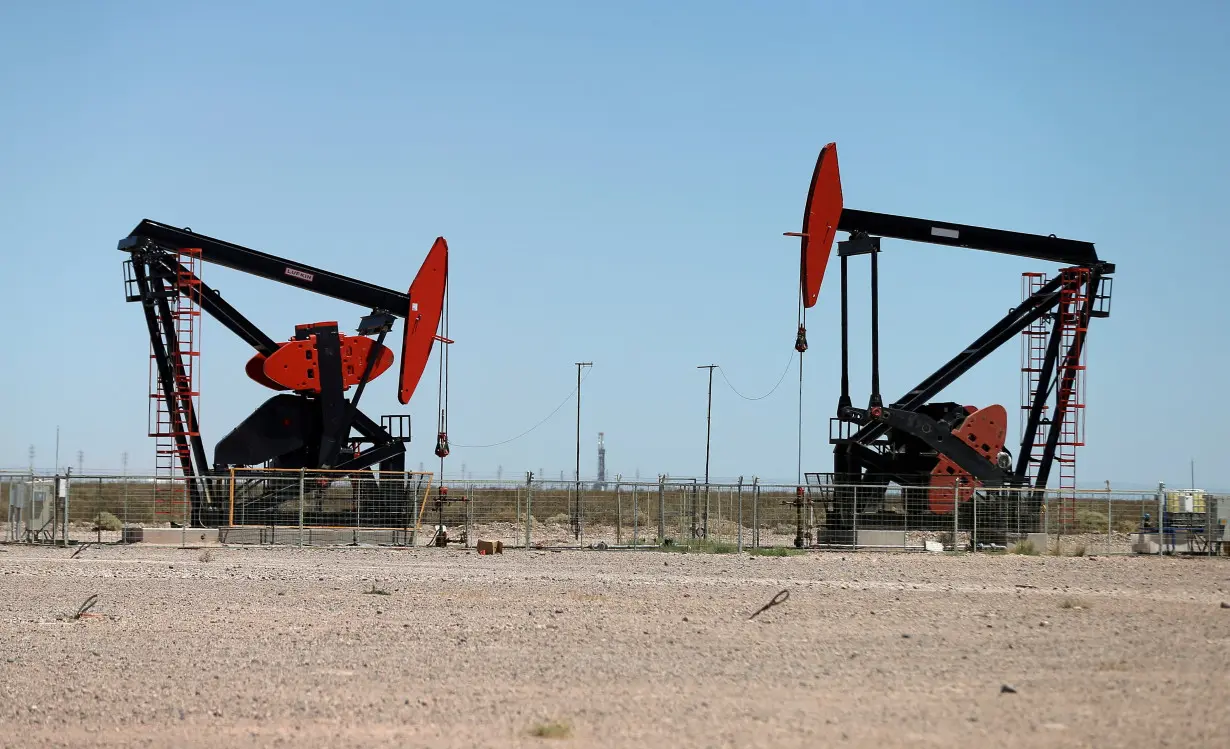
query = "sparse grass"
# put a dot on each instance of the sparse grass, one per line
(701, 546)
(1026, 548)
(1091, 521)
(105, 521)
(206, 555)
(551, 730)
(1077, 551)
(375, 591)
(776, 551)
(1055, 551)
(560, 519)
(1073, 603)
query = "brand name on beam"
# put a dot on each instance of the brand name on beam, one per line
(301, 275)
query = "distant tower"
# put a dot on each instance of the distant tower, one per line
(601, 482)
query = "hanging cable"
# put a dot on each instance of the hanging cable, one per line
(799, 477)
(442, 448)
(758, 397)
(800, 346)
(527, 431)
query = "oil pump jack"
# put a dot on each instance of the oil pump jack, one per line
(310, 424)
(941, 453)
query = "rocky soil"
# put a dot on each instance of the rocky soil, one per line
(384, 647)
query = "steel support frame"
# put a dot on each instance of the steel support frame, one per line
(155, 292)
(151, 261)
(854, 453)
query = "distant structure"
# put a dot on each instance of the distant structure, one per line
(601, 482)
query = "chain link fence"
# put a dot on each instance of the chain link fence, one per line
(325, 508)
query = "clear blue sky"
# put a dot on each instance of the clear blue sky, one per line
(613, 182)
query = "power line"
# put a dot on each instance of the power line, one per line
(527, 431)
(780, 380)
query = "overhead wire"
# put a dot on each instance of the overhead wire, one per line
(758, 397)
(531, 429)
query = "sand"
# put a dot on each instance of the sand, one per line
(287, 647)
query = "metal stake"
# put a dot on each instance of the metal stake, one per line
(302, 472)
(956, 504)
(529, 502)
(661, 508)
(740, 496)
(755, 512)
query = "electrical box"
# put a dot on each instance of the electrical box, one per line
(31, 510)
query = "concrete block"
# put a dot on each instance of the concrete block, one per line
(881, 538)
(178, 536)
(1039, 541)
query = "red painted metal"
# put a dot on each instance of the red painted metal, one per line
(820, 219)
(255, 369)
(295, 366)
(984, 430)
(422, 319)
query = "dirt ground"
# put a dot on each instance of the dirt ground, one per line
(289, 647)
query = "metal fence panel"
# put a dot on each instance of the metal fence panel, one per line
(409, 509)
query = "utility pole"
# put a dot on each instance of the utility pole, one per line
(576, 514)
(708, 428)
(708, 417)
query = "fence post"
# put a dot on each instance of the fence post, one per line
(529, 505)
(1110, 520)
(619, 514)
(755, 512)
(705, 514)
(124, 524)
(1161, 516)
(470, 513)
(973, 500)
(854, 538)
(1211, 525)
(661, 509)
(740, 496)
(68, 476)
(956, 511)
(635, 511)
(183, 532)
(302, 472)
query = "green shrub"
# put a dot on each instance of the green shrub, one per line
(551, 730)
(105, 521)
(1026, 548)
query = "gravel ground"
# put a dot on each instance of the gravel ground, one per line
(283, 647)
